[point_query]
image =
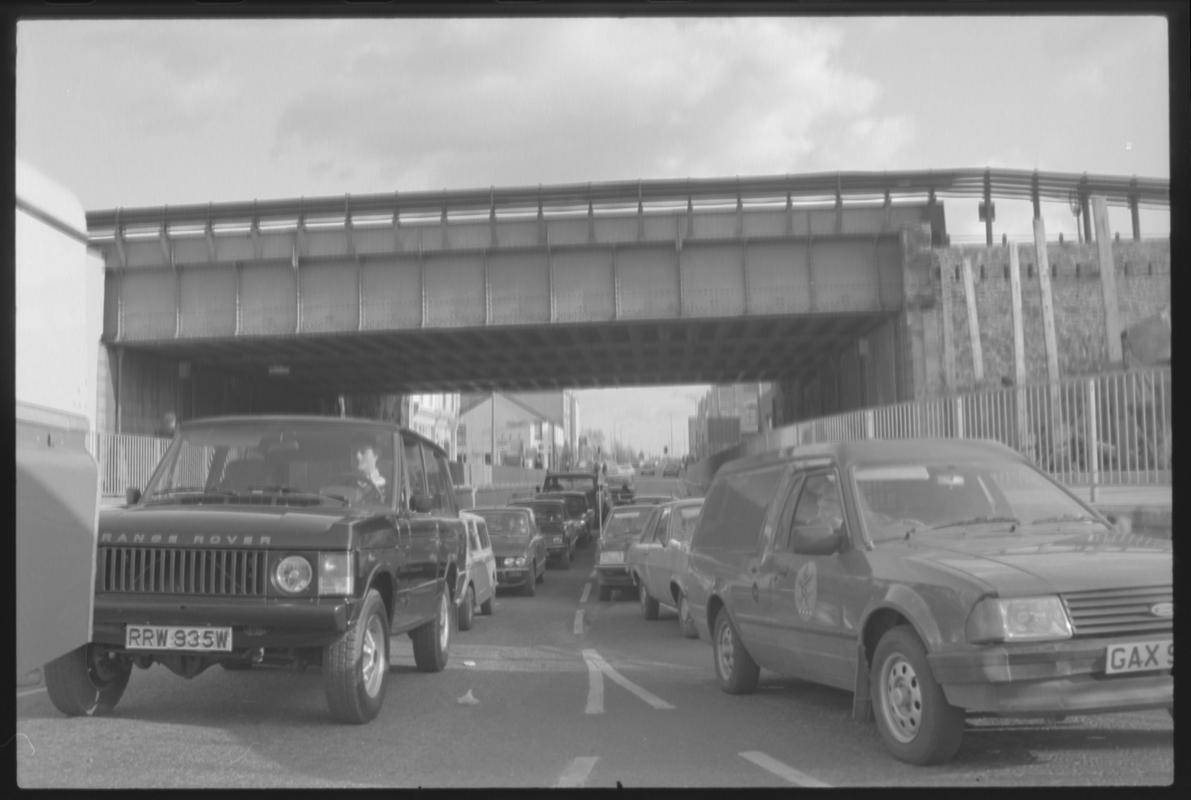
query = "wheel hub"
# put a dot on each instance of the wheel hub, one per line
(903, 698)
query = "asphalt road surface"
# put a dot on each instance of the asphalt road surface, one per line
(557, 690)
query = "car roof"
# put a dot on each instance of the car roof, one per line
(305, 419)
(551, 500)
(876, 451)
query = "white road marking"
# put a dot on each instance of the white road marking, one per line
(592, 576)
(578, 631)
(28, 692)
(783, 771)
(586, 592)
(576, 774)
(593, 658)
(595, 686)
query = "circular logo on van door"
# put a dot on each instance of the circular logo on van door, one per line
(806, 590)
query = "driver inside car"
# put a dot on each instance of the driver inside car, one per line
(363, 456)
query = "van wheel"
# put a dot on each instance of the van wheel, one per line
(914, 718)
(486, 607)
(735, 669)
(649, 606)
(530, 587)
(356, 665)
(86, 682)
(686, 622)
(432, 639)
(467, 609)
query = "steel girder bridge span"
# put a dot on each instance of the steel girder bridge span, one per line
(527, 289)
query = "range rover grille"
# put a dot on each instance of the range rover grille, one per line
(1111, 612)
(157, 570)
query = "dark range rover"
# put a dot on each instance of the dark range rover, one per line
(275, 541)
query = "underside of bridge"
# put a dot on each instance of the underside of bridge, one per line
(529, 358)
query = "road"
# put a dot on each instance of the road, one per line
(556, 690)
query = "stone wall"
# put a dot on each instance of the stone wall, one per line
(1143, 288)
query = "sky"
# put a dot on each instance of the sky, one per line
(146, 113)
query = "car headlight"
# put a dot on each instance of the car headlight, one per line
(516, 561)
(293, 574)
(558, 540)
(335, 575)
(1018, 619)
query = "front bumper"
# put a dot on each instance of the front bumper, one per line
(512, 576)
(255, 622)
(1048, 678)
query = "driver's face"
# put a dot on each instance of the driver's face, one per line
(364, 457)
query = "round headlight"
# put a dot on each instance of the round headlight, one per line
(517, 561)
(293, 574)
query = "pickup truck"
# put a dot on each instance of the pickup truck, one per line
(275, 540)
(935, 579)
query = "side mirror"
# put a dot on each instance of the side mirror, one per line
(421, 503)
(132, 496)
(817, 540)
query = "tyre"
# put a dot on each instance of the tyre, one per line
(649, 606)
(605, 594)
(565, 558)
(529, 589)
(735, 670)
(542, 572)
(84, 683)
(914, 718)
(467, 609)
(487, 607)
(433, 638)
(356, 665)
(686, 622)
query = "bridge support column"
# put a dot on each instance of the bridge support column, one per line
(920, 357)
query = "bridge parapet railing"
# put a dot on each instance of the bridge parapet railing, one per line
(1107, 429)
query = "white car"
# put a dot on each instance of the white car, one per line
(479, 590)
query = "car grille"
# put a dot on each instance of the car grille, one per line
(1111, 612)
(156, 570)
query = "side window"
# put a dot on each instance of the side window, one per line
(736, 507)
(414, 467)
(438, 481)
(819, 507)
(661, 531)
(482, 527)
(473, 535)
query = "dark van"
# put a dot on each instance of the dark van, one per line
(935, 579)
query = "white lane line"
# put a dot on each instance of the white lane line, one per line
(783, 771)
(578, 630)
(28, 692)
(603, 666)
(576, 774)
(586, 592)
(595, 686)
(592, 576)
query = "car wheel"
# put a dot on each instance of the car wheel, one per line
(605, 594)
(487, 607)
(565, 558)
(542, 571)
(686, 622)
(735, 669)
(356, 665)
(914, 718)
(84, 683)
(467, 609)
(530, 587)
(649, 606)
(433, 638)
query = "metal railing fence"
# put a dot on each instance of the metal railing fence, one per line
(1108, 429)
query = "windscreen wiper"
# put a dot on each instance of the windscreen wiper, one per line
(978, 521)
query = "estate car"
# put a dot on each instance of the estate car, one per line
(934, 579)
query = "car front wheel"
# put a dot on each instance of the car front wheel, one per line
(649, 606)
(735, 670)
(356, 666)
(433, 638)
(686, 622)
(86, 682)
(914, 718)
(467, 609)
